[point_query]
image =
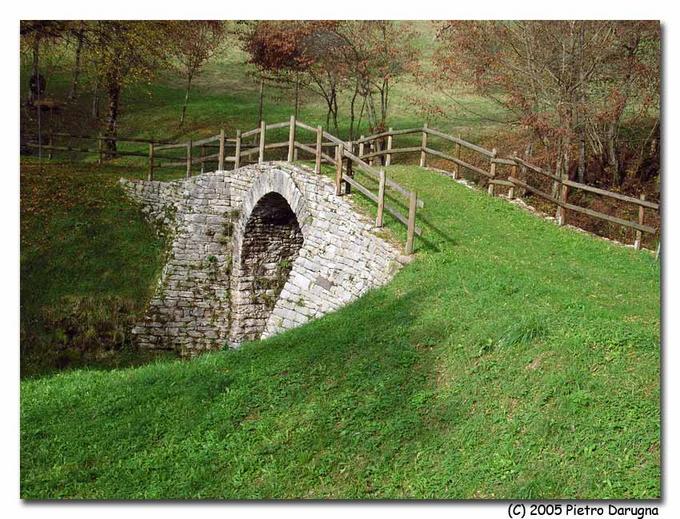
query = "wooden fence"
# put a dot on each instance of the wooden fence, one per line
(238, 151)
(381, 145)
(362, 155)
(52, 144)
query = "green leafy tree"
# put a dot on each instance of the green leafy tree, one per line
(34, 34)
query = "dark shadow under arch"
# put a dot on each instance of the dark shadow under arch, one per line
(271, 242)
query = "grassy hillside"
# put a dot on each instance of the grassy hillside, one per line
(88, 265)
(512, 359)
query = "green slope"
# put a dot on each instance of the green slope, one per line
(88, 264)
(513, 359)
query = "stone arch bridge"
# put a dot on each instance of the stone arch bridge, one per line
(254, 251)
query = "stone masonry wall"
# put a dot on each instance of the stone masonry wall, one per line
(159, 200)
(255, 251)
(189, 311)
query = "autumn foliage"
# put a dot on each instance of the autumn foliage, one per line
(574, 84)
(359, 58)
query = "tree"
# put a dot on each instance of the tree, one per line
(127, 52)
(276, 49)
(33, 34)
(78, 33)
(380, 52)
(569, 82)
(195, 42)
(328, 57)
(364, 56)
(627, 86)
(327, 69)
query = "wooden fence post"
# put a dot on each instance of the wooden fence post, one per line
(338, 169)
(291, 139)
(641, 221)
(423, 145)
(189, 144)
(555, 183)
(561, 210)
(50, 142)
(350, 173)
(523, 173)
(411, 227)
(456, 167)
(513, 174)
(319, 139)
(492, 172)
(361, 147)
(151, 161)
(237, 153)
(220, 160)
(388, 157)
(381, 200)
(202, 158)
(263, 129)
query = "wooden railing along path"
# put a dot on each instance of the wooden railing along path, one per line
(362, 154)
(239, 150)
(381, 146)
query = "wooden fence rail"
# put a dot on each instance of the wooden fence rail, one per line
(362, 155)
(370, 148)
(200, 152)
(562, 186)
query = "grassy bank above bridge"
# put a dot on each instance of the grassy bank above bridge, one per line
(512, 359)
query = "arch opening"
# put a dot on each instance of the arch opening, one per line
(271, 241)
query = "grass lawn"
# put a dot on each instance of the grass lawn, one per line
(88, 265)
(512, 359)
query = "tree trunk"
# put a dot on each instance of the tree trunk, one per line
(612, 158)
(95, 98)
(34, 67)
(352, 113)
(384, 104)
(335, 112)
(554, 190)
(332, 109)
(112, 119)
(582, 156)
(580, 116)
(370, 112)
(562, 164)
(297, 94)
(361, 114)
(186, 102)
(76, 68)
(259, 109)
